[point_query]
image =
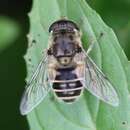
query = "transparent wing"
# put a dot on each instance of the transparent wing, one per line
(98, 84)
(36, 90)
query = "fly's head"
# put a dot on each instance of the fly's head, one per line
(64, 46)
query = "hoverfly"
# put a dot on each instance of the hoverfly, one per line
(66, 69)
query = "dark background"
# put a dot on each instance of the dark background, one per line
(12, 66)
(116, 13)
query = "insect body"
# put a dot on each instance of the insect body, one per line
(69, 86)
(66, 69)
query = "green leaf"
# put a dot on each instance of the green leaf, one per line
(88, 113)
(116, 15)
(9, 32)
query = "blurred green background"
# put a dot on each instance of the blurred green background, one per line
(14, 25)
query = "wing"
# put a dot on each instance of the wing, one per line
(98, 84)
(36, 90)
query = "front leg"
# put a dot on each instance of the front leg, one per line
(90, 47)
(92, 43)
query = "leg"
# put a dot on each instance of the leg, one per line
(90, 47)
(92, 44)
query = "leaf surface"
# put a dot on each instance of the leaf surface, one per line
(88, 113)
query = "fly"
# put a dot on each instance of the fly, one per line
(66, 69)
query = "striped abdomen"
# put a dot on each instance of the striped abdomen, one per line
(67, 85)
